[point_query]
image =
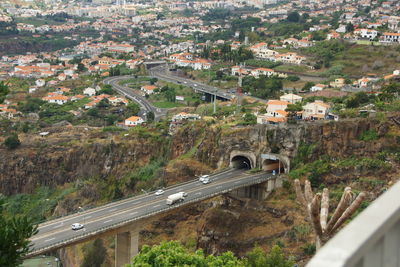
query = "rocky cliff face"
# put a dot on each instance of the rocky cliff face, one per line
(51, 162)
(334, 139)
(69, 157)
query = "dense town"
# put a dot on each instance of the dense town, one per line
(128, 67)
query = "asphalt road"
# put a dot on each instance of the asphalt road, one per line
(58, 232)
(162, 73)
(139, 99)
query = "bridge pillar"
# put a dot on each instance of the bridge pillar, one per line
(126, 246)
(259, 191)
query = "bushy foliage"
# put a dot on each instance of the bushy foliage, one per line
(369, 135)
(258, 258)
(174, 254)
(14, 233)
(4, 90)
(12, 141)
(94, 254)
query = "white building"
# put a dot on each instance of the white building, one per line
(133, 121)
(89, 91)
(291, 98)
(276, 108)
(316, 110)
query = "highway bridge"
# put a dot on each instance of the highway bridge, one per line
(144, 104)
(160, 72)
(124, 218)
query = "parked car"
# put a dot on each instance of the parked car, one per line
(159, 192)
(76, 226)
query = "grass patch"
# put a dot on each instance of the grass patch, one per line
(167, 104)
(369, 135)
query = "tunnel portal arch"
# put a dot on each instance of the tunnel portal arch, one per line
(242, 160)
(271, 162)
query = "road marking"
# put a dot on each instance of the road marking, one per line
(237, 182)
(47, 240)
(137, 202)
(156, 206)
(114, 209)
(87, 217)
(108, 221)
(132, 213)
(198, 193)
(218, 187)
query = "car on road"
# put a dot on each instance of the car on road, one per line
(206, 181)
(159, 192)
(203, 177)
(76, 226)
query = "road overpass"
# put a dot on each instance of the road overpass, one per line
(144, 104)
(161, 73)
(124, 218)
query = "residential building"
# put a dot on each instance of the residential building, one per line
(133, 121)
(316, 110)
(56, 99)
(391, 37)
(89, 91)
(276, 108)
(291, 98)
(148, 89)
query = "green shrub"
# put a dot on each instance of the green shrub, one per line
(309, 249)
(12, 141)
(113, 129)
(369, 135)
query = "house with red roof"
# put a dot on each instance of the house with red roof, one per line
(133, 121)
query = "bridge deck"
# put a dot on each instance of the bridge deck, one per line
(57, 233)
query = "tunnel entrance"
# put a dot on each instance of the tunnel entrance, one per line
(241, 162)
(270, 165)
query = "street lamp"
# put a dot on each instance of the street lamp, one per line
(84, 228)
(57, 261)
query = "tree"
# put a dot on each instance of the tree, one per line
(12, 141)
(349, 27)
(81, 67)
(318, 217)
(31, 105)
(4, 90)
(308, 86)
(258, 258)
(292, 110)
(150, 116)
(293, 16)
(153, 81)
(94, 254)
(14, 234)
(249, 119)
(133, 109)
(106, 89)
(173, 254)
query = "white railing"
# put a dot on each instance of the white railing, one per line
(372, 239)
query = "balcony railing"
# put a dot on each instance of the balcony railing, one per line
(372, 239)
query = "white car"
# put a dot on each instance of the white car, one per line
(203, 177)
(206, 181)
(159, 192)
(76, 226)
